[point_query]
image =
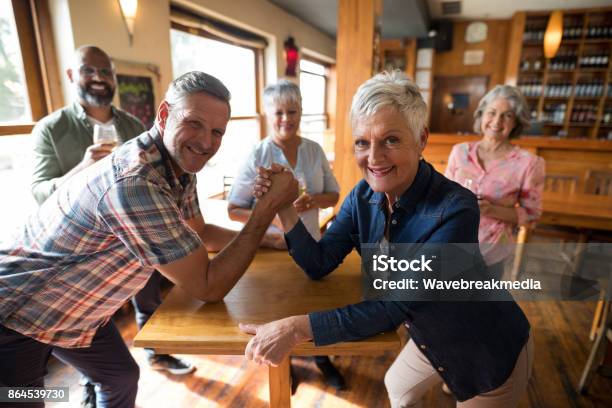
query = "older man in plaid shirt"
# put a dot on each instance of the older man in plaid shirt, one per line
(98, 238)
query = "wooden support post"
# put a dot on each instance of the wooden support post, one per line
(280, 387)
(354, 59)
(515, 41)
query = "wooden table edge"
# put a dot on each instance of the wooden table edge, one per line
(366, 347)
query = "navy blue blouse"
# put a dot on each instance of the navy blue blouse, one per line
(473, 345)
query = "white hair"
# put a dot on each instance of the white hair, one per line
(393, 89)
(517, 102)
(282, 92)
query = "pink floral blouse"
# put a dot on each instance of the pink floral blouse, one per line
(515, 180)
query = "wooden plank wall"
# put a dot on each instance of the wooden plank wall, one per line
(450, 63)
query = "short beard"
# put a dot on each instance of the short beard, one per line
(98, 101)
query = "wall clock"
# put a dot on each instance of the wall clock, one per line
(476, 32)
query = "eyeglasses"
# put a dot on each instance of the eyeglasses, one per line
(89, 71)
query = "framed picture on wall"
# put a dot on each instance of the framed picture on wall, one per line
(138, 90)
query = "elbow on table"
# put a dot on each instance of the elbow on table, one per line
(210, 296)
(316, 273)
(206, 293)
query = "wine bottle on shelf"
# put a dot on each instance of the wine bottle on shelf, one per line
(581, 114)
(559, 113)
(537, 64)
(607, 116)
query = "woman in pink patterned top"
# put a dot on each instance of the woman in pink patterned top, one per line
(507, 180)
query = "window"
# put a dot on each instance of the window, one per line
(236, 67)
(23, 100)
(23, 94)
(15, 174)
(313, 86)
(14, 102)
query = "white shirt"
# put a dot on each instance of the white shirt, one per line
(311, 165)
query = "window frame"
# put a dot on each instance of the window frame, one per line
(33, 23)
(259, 80)
(326, 78)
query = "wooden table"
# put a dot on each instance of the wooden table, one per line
(577, 210)
(272, 288)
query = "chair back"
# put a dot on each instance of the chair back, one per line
(560, 183)
(227, 185)
(598, 182)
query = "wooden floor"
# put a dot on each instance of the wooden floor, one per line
(561, 340)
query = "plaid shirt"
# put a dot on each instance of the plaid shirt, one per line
(93, 244)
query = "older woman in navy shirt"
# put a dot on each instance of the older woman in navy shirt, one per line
(481, 350)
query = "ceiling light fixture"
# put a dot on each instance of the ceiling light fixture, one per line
(129, 8)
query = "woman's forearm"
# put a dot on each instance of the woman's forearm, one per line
(288, 217)
(303, 330)
(239, 214)
(506, 214)
(324, 200)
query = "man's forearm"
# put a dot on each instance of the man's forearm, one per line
(228, 266)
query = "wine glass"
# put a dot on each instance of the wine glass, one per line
(105, 134)
(301, 179)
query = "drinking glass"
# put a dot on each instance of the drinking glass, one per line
(106, 134)
(301, 179)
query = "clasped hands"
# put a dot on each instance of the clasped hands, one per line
(263, 182)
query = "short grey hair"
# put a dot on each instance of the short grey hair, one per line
(393, 89)
(517, 102)
(195, 82)
(281, 92)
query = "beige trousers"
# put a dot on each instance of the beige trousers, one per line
(411, 376)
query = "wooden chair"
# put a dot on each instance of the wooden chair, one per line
(561, 183)
(598, 182)
(227, 185)
(604, 335)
